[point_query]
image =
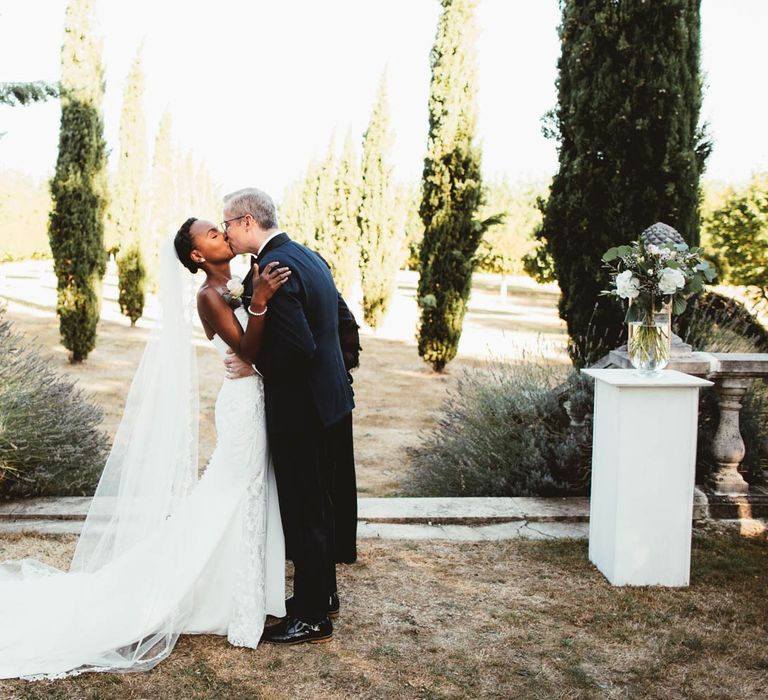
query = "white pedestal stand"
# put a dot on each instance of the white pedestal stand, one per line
(643, 468)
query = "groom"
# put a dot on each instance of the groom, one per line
(307, 396)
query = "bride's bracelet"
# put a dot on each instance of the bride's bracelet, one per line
(256, 313)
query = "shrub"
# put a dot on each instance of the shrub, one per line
(132, 282)
(526, 429)
(50, 444)
(506, 431)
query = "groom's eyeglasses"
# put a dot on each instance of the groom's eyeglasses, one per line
(224, 225)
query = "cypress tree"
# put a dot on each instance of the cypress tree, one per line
(380, 237)
(345, 254)
(130, 201)
(452, 190)
(324, 225)
(165, 210)
(630, 149)
(78, 187)
(299, 213)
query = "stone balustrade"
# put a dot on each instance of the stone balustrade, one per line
(729, 495)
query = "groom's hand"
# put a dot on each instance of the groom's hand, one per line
(236, 367)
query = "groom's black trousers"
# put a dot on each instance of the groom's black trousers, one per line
(304, 471)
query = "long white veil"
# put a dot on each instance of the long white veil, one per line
(153, 462)
(65, 623)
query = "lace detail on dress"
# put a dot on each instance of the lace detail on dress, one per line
(249, 604)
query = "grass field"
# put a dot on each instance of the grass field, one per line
(516, 619)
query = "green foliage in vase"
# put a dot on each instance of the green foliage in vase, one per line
(452, 187)
(78, 187)
(130, 201)
(381, 235)
(50, 444)
(738, 231)
(650, 276)
(630, 148)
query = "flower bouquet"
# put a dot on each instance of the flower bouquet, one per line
(657, 280)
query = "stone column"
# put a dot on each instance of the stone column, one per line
(727, 445)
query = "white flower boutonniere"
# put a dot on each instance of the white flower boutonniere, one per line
(235, 287)
(233, 294)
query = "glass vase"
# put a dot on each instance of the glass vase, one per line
(648, 341)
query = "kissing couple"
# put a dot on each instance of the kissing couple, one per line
(163, 553)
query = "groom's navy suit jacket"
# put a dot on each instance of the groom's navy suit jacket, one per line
(306, 385)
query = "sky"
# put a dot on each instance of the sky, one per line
(257, 89)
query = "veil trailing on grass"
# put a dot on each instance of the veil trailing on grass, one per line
(65, 623)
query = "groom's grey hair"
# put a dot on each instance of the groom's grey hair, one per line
(255, 202)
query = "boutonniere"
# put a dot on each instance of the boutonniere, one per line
(234, 294)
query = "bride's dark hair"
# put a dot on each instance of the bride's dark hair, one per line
(183, 244)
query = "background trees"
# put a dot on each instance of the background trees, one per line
(130, 211)
(78, 188)
(630, 150)
(738, 231)
(345, 251)
(381, 237)
(452, 190)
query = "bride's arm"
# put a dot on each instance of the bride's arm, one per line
(215, 312)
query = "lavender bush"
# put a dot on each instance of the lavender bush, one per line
(50, 443)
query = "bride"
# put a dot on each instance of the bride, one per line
(162, 553)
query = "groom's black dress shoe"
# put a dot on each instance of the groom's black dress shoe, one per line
(291, 630)
(333, 606)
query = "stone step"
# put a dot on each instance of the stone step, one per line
(365, 530)
(427, 511)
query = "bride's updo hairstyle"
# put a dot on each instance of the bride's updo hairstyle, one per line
(184, 245)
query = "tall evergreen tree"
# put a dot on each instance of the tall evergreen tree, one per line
(299, 214)
(130, 211)
(380, 237)
(325, 225)
(345, 250)
(452, 189)
(165, 212)
(78, 187)
(630, 149)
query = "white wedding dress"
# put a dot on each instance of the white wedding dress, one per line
(214, 565)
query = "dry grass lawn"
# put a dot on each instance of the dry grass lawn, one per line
(516, 619)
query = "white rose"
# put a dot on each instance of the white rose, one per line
(670, 280)
(235, 287)
(627, 286)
